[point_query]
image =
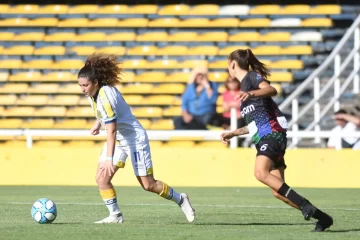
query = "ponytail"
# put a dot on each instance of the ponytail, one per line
(247, 61)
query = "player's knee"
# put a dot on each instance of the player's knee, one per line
(261, 175)
(101, 180)
(149, 186)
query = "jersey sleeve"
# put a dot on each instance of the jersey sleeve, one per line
(108, 101)
(256, 79)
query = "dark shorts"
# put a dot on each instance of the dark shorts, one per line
(273, 146)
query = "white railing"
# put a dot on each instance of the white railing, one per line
(339, 65)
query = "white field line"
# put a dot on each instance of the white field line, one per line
(174, 205)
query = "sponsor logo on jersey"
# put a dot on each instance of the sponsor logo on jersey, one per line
(247, 109)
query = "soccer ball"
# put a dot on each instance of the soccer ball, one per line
(44, 211)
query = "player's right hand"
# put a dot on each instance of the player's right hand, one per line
(225, 137)
(95, 130)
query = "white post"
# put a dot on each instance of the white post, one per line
(28, 140)
(295, 127)
(357, 61)
(317, 109)
(337, 64)
(233, 126)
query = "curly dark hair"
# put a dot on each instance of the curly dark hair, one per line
(103, 68)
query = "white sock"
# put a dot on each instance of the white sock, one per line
(112, 205)
(174, 196)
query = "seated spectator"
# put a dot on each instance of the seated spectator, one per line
(198, 102)
(232, 90)
(343, 125)
(352, 119)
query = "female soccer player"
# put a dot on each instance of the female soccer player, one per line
(125, 136)
(267, 126)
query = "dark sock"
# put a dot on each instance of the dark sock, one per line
(290, 194)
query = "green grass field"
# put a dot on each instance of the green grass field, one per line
(221, 213)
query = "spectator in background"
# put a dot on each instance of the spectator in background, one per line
(232, 90)
(343, 125)
(352, 120)
(198, 102)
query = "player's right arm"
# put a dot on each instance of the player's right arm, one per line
(95, 130)
(226, 136)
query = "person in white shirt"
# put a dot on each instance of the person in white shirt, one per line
(351, 121)
(125, 137)
(343, 125)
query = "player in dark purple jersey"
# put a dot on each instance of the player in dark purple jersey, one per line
(267, 126)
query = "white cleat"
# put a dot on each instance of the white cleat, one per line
(187, 208)
(118, 218)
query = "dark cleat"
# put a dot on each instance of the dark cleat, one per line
(325, 221)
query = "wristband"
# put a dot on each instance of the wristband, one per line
(109, 158)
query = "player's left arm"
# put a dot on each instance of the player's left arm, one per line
(225, 137)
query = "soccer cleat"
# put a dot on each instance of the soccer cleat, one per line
(308, 210)
(325, 221)
(118, 218)
(187, 208)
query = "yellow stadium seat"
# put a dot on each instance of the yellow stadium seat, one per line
(83, 50)
(287, 64)
(47, 144)
(155, 144)
(152, 36)
(15, 144)
(296, 50)
(137, 88)
(84, 101)
(7, 99)
(4, 8)
(147, 112)
(193, 64)
(121, 36)
(43, 88)
(178, 101)
(218, 76)
(204, 9)
(276, 37)
(117, 50)
(71, 124)
(163, 124)
(103, 22)
(172, 51)
(144, 9)
(72, 88)
(255, 22)
(12, 88)
(133, 64)
(174, 9)
(128, 77)
(50, 112)
(19, 50)
(213, 37)
(4, 138)
(296, 9)
(33, 100)
(50, 50)
(68, 64)
(58, 77)
(79, 144)
(326, 9)
(178, 77)
(221, 89)
(30, 36)
(195, 22)
(158, 100)
(267, 50)
(37, 64)
(203, 50)
(172, 111)
(225, 22)
(164, 22)
(142, 50)
(11, 123)
(219, 101)
(113, 9)
(90, 37)
(38, 124)
(4, 76)
(227, 50)
(150, 77)
(133, 99)
(65, 100)
(146, 123)
(179, 144)
(169, 88)
(133, 22)
(280, 77)
(265, 9)
(317, 22)
(13, 22)
(183, 37)
(74, 22)
(218, 64)
(245, 37)
(7, 36)
(83, 9)
(43, 22)
(80, 112)
(60, 36)
(211, 144)
(10, 63)
(25, 76)
(53, 9)
(19, 112)
(25, 9)
(163, 64)
(265, 61)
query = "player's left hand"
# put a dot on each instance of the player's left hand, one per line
(107, 168)
(243, 96)
(225, 137)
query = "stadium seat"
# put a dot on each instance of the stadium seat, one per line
(60, 37)
(172, 111)
(133, 22)
(7, 99)
(19, 50)
(117, 50)
(29, 36)
(219, 101)
(25, 77)
(38, 64)
(163, 64)
(179, 144)
(50, 50)
(42, 22)
(32, 100)
(127, 77)
(195, 22)
(155, 144)
(65, 100)
(175, 77)
(58, 77)
(296, 9)
(11, 123)
(10, 63)
(164, 22)
(275, 37)
(133, 99)
(204, 9)
(221, 89)
(79, 144)
(50, 112)
(178, 101)
(23, 9)
(73, 22)
(144, 9)
(121, 36)
(82, 50)
(15, 144)
(38, 124)
(234, 9)
(227, 50)
(150, 77)
(267, 50)
(255, 22)
(245, 37)
(163, 124)
(133, 64)
(212, 37)
(71, 88)
(203, 50)
(218, 76)
(146, 123)
(4, 76)
(280, 77)
(84, 101)
(174, 9)
(137, 88)
(211, 144)
(169, 88)
(71, 124)
(104, 22)
(265, 9)
(19, 112)
(286, 22)
(147, 112)
(326, 9)
(222, 64)
(13, 88)
(113, 9)
(68, 64)
(306, 36)
(152, 36)
(193, 64)
(83, 9)
(173, 51)
(225, 22)
(4, 8)
(142, 51)
(287, 64)
(317, 22)
(47, 144)
(90, 37)
(53, 9)
(296, 50)
(80, 112)
(43, 88)
(183, 37)
(7, 36)
(158, 100)
(14, 22)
